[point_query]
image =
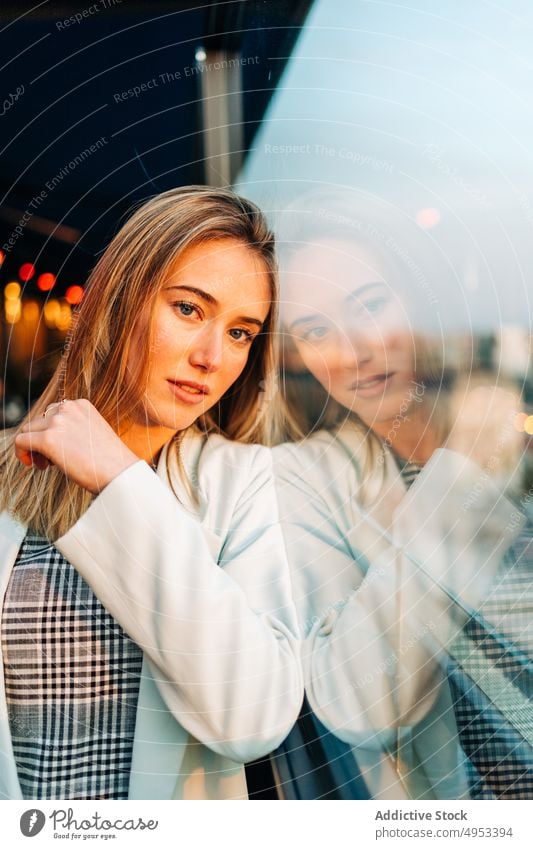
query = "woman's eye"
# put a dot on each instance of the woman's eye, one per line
(374, 305)
(316, 333)
(185, 308)
(239, 334)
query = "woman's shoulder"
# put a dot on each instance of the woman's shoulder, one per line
(217, 469)
(345, 449)
(218, 451)
(335, 467)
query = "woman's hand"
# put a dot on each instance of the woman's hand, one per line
(483, 427)
(73, 436)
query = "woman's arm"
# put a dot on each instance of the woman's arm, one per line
(220, 637)
(216, 622)
(378, 603)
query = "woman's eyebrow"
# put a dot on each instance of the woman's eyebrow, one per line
(199, 292)
(305, 319)
(356, 294)
(245, 319)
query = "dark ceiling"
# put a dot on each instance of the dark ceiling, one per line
(78, 149)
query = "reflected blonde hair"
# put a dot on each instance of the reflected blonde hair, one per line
(121, 292)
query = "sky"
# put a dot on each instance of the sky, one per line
(426, 109)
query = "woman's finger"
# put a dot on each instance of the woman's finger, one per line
(36, 425)
(27, 447)
(39, 460)
(32, 458)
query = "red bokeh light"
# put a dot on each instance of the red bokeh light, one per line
(2, 257)
(26, 271)
(46, 281)
(74, 294)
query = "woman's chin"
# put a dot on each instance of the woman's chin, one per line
(372, 413)
(158, 418)
(382, 408)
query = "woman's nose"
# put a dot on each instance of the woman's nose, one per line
(354, 348)
(207, 349)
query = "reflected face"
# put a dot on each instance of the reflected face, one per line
(350, 329)
(209, 309)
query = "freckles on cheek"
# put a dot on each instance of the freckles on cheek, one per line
(232, 371)
(162, 333)
(235, 371)
(166, 345)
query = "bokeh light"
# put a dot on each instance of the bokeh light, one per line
(30, 311)
(427, 218)
(12, 291)
(74, 294)
(46, 281)
(26, 271)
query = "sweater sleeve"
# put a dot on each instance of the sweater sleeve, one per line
(378, 604)
(219, 632)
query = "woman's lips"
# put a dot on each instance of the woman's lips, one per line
(371, 386)
(189, 392)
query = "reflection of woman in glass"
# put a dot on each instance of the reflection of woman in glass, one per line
(384, 579)
(147, 636)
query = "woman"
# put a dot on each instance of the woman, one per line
(148, 640)
(384, 579)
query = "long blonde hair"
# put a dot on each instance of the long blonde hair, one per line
(122, 287)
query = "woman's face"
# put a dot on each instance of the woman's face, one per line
(208, 311)
(350, 329)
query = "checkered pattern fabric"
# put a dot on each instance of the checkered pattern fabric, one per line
(491, 675)
(71, 679)
(409, 471)
(490, 671)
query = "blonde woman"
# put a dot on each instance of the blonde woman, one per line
(392, 499)
(148, 636)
